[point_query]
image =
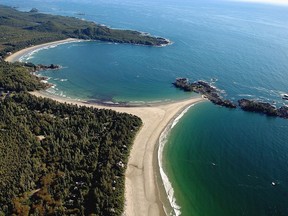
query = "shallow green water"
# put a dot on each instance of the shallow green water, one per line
(220, 162)
(223, 162)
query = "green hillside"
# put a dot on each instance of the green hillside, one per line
(22, 29)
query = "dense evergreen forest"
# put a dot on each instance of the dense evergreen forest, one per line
(22, 29)
(18, 77)
(59, 159)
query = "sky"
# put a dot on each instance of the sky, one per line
(278, 2)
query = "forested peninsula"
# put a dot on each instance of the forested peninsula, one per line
(19, 30)
(59, 159)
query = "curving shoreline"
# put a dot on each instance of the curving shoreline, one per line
(163, 138)
(141, 190)
(17, 55)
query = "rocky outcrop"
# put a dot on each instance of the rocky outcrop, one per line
(34, 10)
(213, 95)
(264, 108)
(257, 106)
(40, 67)
(283, 112)
(47, 67)
(205, 89)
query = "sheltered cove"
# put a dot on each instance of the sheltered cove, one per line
(141, 191)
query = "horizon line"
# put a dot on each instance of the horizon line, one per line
(273, 2)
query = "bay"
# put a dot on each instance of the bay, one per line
(220, 162)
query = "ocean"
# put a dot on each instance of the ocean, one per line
(219, 161)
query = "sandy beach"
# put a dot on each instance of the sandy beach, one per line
(16, 56)
(141, 192)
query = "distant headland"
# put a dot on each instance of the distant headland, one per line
(34, 28)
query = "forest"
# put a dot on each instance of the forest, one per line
(19, 30)
(18, 77)
(56, 158)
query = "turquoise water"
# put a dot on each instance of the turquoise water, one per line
(243, 46)
(110, 72)
(223, 162)
(220, 162)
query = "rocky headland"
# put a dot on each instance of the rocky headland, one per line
(213, 94)
(201, 87)
(263, 107)
(40, 67)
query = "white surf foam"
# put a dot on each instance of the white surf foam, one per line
(28, 56)
(180, 116)
(167, 184)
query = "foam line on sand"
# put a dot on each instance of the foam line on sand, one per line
(141, 192)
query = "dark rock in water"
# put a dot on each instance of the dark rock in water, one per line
(264, 108)
(34, 10)
(229, 104)
(42, 67)
(259, 107)
(283, 112)
(47, 67)
(182, 83)
(203, 88)
(212, 94)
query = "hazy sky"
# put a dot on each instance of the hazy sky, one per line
(279, 2)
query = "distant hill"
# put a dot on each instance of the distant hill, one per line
(22, 29)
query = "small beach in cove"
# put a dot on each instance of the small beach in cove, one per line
(17, 56)
(142, 193)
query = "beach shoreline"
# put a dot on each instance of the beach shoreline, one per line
(142, 196)
(143, 192)
(14, 57)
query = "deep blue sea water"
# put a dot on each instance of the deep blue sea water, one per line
(220, 162)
